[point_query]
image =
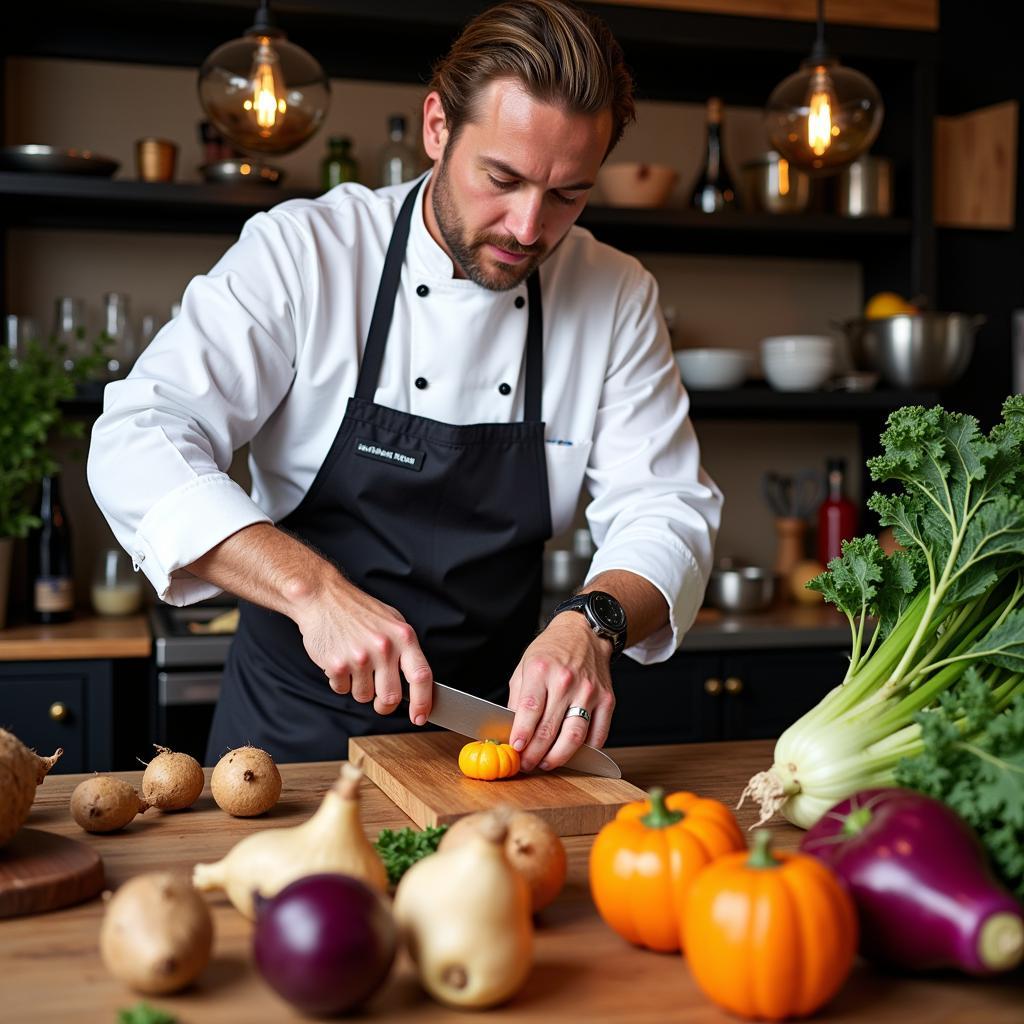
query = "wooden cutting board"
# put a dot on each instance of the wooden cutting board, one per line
(420, 773)
(42, 871)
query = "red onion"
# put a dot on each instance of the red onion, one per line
(918, 874)
(325, 943)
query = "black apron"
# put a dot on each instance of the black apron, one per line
(446, 523)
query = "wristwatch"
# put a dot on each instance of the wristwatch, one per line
(605, 615)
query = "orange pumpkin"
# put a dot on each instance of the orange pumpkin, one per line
(769, 935)
(488, 760)
(643, 862)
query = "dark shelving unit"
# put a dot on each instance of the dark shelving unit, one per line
(758, 401)
(675, 56)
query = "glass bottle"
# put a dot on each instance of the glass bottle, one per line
(397, 159)
(837, 515)
(120, 341)
(68, 340)
(339, 165)
(49, 558)
(714, 190)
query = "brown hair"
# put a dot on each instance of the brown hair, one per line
(561, 54)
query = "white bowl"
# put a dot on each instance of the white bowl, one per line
(712, 369)
(636, 184)
(798, 362)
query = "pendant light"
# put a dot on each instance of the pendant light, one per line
(825, 115)
(263, 93)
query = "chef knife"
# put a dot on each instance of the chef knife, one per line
(479, 719)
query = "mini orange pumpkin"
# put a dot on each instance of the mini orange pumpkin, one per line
(769, 935)
(488, 760)
(643, 862)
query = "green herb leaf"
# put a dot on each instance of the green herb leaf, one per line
(400, 849)
(143, 1013)
(981, 778)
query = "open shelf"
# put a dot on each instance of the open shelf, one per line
(70, 201)
(758, 401)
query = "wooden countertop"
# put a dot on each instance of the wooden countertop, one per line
(83, 638)
(51, 968)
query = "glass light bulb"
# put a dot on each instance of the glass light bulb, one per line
(264, 93)
(824, 116)
(267, 89)
(820, 104)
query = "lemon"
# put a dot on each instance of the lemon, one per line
(887, 304)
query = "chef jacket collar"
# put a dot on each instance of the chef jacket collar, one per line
(426, 258)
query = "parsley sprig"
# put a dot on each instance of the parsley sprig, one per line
(401, 848)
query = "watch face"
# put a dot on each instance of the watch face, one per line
(608, 611)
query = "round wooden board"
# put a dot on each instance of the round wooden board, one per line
(42, 871)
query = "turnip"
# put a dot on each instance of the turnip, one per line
(157, 933)
(105, 804)
(21, 771)
(531, 845)
(172, 781)
(246, 782)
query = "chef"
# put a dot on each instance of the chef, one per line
(426, 376)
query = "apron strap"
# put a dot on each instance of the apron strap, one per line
(384, 308)
(534, 352)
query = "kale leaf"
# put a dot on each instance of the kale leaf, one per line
(981, 779)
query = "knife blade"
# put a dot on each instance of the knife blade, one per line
(480, 719)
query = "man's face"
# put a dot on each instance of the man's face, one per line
(505, 193)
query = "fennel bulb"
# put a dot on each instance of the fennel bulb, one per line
(945, 613)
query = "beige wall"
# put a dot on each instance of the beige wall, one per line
(718, 301)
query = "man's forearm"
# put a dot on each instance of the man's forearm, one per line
(267, 566)
(645, 607)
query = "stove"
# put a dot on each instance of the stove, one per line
(188, 672)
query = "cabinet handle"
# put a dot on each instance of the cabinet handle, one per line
(733, 685)
(58, 711)
(713, 687)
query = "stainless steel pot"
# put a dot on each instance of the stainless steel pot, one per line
(774, 185)
(925, 350)
(745, 588)
(865, 188)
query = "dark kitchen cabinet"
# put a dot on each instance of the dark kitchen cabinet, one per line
(735, 695)
(94, 709)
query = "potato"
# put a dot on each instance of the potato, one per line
(157, 933)
(105, 804)
(246, 782)
(172, 781)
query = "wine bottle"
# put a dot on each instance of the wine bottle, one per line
(339, 165)
(397, 160)
(49, 556)
(837, 515)
(714, 190)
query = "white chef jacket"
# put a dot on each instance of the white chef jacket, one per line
(266, 351)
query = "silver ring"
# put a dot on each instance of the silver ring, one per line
(578, 712)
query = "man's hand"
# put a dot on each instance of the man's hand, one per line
(566, 666)
(358, 641)
(362, 644)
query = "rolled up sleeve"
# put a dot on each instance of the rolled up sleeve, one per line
(160, 451)
(654, 511)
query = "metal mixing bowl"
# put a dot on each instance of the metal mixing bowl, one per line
(745, 588)
(923, 350)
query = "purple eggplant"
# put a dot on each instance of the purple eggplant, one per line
(919, 876)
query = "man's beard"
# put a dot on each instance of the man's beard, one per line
(468, 252)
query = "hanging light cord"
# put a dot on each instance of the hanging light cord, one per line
(818, 51)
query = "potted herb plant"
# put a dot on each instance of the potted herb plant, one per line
(31, 390)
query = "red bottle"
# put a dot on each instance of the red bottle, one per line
(837, 515)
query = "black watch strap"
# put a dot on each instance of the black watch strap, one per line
(589, 605)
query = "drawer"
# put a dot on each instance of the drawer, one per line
(46, 712)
